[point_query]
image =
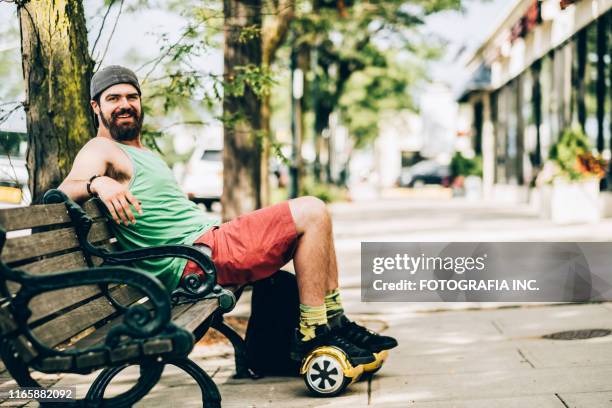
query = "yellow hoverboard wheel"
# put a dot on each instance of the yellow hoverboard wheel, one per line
(327, 371)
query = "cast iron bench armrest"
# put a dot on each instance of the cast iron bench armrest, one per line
(194, 287)
(137, 321)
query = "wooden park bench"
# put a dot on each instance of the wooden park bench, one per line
(70, 303)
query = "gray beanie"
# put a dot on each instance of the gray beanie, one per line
(109, 76)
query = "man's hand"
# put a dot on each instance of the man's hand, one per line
(117, 198)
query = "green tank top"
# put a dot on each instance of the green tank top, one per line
(168, 216)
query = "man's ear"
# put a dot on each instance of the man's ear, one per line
(95, 106)
(95, 111)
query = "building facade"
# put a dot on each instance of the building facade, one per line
(545, 68)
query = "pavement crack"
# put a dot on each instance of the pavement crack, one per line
(215, 373)
(497, 327)
(561, 399)
(525, 358)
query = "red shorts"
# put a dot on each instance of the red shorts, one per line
(250, 247)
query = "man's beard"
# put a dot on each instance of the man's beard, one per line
(123, 132)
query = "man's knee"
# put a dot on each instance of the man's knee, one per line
(307, 211)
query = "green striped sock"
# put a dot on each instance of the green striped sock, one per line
(310, 318)
(333, 304)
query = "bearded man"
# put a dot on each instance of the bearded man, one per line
(148, 208)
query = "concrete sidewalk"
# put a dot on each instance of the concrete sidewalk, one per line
(451, 354)
(470, 358)
(467, 358)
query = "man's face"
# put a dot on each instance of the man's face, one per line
(120, 111)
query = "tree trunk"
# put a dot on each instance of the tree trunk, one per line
(266, 130)
(242, 150)
(57, 69)
(274, 32)
(303, 63)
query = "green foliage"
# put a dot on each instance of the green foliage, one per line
(176, 85)
(572, 154)
(179, 85)
(572, 143)
(375, 90)
(325, 192)
(149, 137)
(9, 143)
(368, 60)
(258, 79)
(463, 166)
(249, 33)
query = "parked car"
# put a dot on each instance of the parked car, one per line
(425, 172)
(203, 178)
(14, 191)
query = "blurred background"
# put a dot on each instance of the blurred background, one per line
(419, 121)
(502, 101)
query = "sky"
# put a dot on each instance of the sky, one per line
(464, 32)
(133, 43)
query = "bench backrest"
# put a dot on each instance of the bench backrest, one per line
(41, 239)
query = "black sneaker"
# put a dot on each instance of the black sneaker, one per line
(362, 337)
(324, 336)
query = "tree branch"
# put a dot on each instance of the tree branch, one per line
(156, 61)
(275, 31)
(5, 117)
(111, 35)
(102, 26)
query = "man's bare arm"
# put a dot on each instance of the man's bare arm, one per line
(90, 161)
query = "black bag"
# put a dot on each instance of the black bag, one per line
(274, 317)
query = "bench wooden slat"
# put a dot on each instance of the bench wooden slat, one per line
(48, 242)
(61, 263)
(92, 209)
(193, 317)
(14, 219)
(189, 316)
(51, 302)
(100, 334)
(34, 216)
(102, 229)
(75, 321)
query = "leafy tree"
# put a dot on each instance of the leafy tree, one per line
(179, 85)
(241, 108)
(365, 38)
(57, 69)
(333, 39)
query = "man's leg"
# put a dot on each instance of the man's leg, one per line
(317, 274)
(332, 277)
(311, 261)
(313, 223)
(314, 259)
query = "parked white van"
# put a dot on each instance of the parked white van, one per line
(203, 177)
